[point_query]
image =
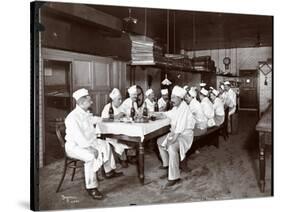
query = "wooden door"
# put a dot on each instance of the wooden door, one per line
(248, 89)
(102, 83)
(82, 74)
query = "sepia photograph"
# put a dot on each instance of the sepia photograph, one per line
(143, 106)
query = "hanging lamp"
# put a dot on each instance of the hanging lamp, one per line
(166, 81)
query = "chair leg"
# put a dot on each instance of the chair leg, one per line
(73, 172)
(103, 171)
(63, 175)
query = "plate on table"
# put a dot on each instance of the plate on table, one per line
(125, 120)
(108, 120)
(141, 120)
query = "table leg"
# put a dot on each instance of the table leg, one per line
(262, 160)
(141, 162)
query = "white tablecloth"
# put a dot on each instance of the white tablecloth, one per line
(131, 129)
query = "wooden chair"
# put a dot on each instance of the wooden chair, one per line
(68, 162)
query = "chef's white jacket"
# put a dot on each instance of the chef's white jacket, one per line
(230, 101)
(208, 111)
(196, 110)
(219, 111)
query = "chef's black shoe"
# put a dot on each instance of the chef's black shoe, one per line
(113, 174)
(163, 167)
(172, 182)
(95, 193)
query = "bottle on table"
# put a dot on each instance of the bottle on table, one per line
(156, 107)
(145, 112)
(133, 111)
(111, 112)
(168, 105)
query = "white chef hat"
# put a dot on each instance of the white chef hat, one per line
(185, 87)
(202, 84)
(148, 92)
(114, 93)
(204, 92)
(211, 88)
(215, 92)
(132, 89)
(192, 92)
(80, 93)
(164, 91)
(226, 83)
(222, 87)
(178, 91)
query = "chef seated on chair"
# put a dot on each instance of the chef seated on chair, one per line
(174, 145)
(116, 100)
(164, 102)
(222, 94)
(126, 108)
(197, 112)
(132, 100)
(149, 101)
(218, 107)
(207, 107)
(82, 143)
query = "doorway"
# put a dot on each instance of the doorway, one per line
(248, 89)
(57, 99)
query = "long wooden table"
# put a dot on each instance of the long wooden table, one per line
(104, 129)
(264, 127)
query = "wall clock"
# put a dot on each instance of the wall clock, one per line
(226, 62)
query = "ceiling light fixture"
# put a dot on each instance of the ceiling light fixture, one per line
(130, 19)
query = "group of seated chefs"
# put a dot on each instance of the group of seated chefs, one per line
(190, 110)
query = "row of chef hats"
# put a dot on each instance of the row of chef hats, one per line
(177, 91)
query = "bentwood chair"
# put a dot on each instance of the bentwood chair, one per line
(68, 162)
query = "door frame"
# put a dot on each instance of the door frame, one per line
(257, 89)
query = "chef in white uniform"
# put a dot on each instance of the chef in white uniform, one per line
(222, 94)
(197, 112)
(218, 107)
(82, 143)
(207, 107)
(149, 101)
(127, 104)
(164, 100)
(175, 144)
(230, 98)
(116, 98)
